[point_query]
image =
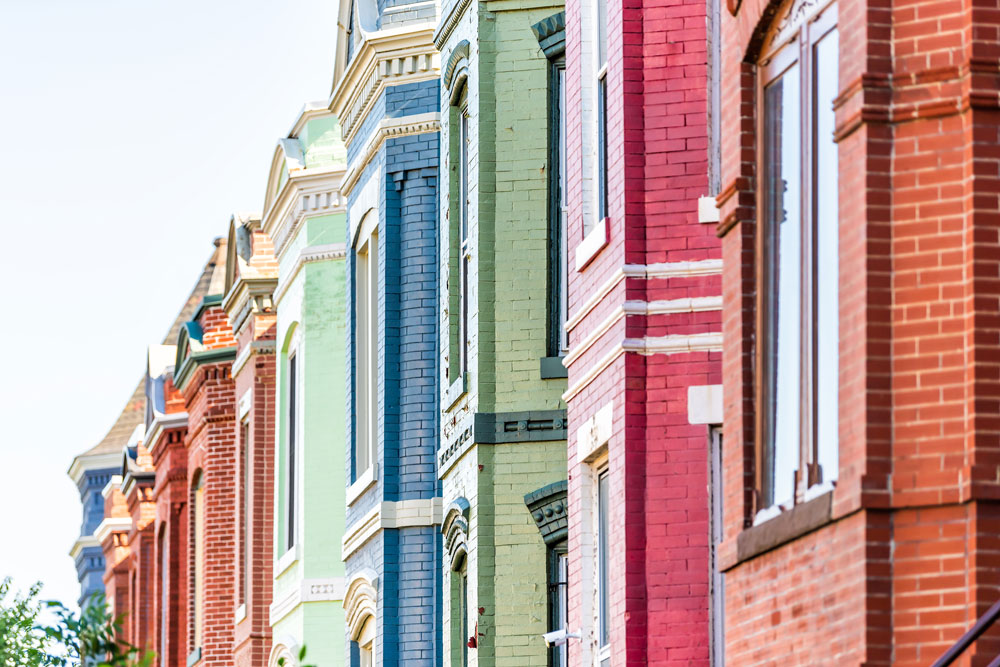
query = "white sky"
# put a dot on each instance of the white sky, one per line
(129, 132)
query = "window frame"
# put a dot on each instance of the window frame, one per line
(198, 576)
(245, 511)
(558, 337)
(602, 545)
(557, 580)
(366, 333)
(789, 45)
(292, 436)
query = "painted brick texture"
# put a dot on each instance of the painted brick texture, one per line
(915, 501)
(657, 131)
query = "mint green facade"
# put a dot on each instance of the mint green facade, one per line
(503, 432)
(304, 217)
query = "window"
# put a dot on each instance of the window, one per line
(366, 350)
(463, 332)
(558, 600)
(459, 212)
(292, 445)
(558, 253)
(199, 561)
(603, 582)
(246, 539)
(717, 592)
(366, 643)
(460, 615)
(602, 108)
(164, 594)
(798, 248)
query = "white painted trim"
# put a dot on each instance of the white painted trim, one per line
(116, 480)
(595, 241)
(162, 422)
(595, 433)
(666, 270)
(704, 404)
(286, 560)
(112, 525)
(388, 128)
(309, 255)
(307, 193)
(83, 463)
(329, 589)
(707, 211)
(388, 514)
(83, 542)
(666, 307)
(367, 200)
(245, 400)
(706, 342)
(241, 613)
(362, 484)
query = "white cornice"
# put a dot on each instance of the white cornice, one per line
(389, 128)
(256, 347)
(84, 462)
(84, 542)
(397, 55)
(310, 111)
(666, 270)
(308, 255)
(306, 193)
(162, 422)
(112, 525)
(401, 514)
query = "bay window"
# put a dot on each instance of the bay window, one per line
(798, 255)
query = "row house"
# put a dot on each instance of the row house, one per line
(386, 95)
(300, 241)
(502, 286)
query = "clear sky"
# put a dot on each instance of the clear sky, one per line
(129, 132)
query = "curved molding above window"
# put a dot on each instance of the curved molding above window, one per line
(549, 510)
(455, 528)
(459, 54)
(286, 648)
(551, 35)
(360, 601)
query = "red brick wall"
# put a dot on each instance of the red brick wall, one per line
(212, 452)
(658, 168)
(141, 564)
(909, 560)
(171, 496)
(253, 634)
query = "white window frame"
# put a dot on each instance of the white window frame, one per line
(292, 520)
(366, 376)
(602, 608)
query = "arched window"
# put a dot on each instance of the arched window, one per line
(798, 254)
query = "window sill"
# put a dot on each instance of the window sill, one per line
(362, 484)
(457, 389)
(551, 368)
(289, 558)
(770, 533)
(241, 613)
(592, 244)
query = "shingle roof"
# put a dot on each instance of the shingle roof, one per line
(134, 412)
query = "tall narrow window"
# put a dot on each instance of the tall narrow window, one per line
(603, 581)
(290, 472)
(463, 609)
(717, 618)
(463, 335)
(366, 643)
(558, 251)
(366, 353)
(558, 600)
(199, 562)
(799, 247)
(164, 595)
(246, 512)
(460, 614)
(602, 108)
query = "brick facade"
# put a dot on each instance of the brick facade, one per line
(899, 566)
(251, 275)
(644, 330)
(206, 350)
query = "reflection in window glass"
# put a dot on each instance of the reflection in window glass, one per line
(827, 250)
(783, 218)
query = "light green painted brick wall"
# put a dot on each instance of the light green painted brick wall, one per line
(508, 101)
